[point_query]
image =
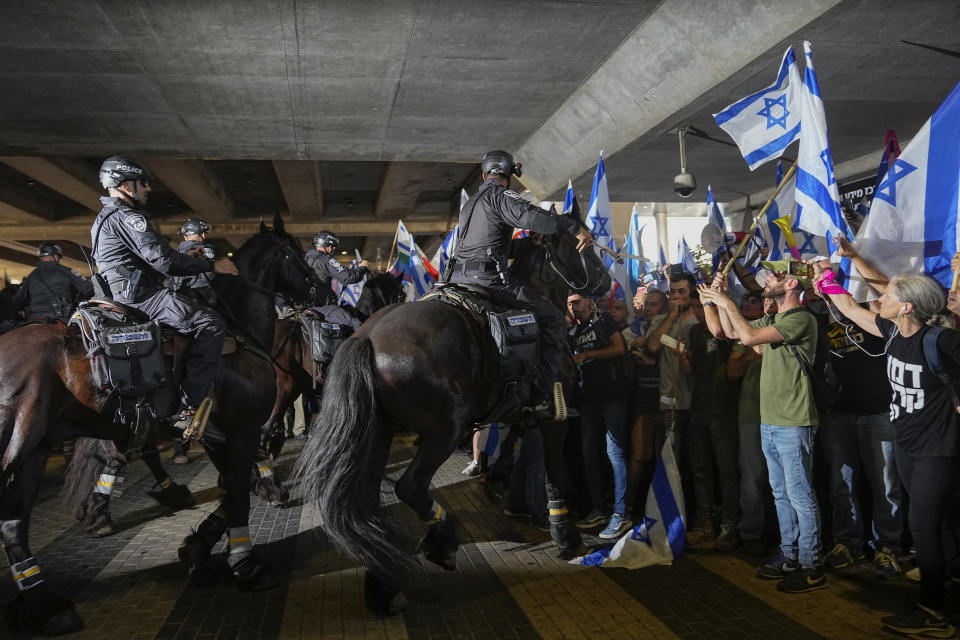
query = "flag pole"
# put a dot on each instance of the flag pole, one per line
(956, 281)
(396, 234)
(786, 178)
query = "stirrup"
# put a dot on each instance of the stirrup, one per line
(199, 422)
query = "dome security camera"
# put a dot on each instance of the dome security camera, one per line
(684, 184)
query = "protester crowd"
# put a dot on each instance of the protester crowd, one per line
(808, 429)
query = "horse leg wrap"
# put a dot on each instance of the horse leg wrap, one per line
(107, 484)
(239, 544)
(566, 537)
(264, 468)
(440, 542)
(437, 515)
(26, 574)
(165, 483)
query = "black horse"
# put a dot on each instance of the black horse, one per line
(48, 395)
(420, 366)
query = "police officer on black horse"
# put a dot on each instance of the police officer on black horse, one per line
(194, 233)
(487, 222)
(326, 267)
(49, 292)
(134, 258)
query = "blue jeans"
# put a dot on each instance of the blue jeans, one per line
(850, 443)
(754, 482)
(789, 454)
(594, 418)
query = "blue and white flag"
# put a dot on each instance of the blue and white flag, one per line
(442, 256)
(351, 292)
(598, 214)
(489, 441)
(912, 225)
(635, 268)
(765, 123)
(817, 193)
(715, 211)
(570, 204)
(409, 262)
(660, 537)
(685, 257)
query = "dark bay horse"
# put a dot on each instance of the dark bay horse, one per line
(48, 394)
(419, 366)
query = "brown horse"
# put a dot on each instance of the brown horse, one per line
(48, 395)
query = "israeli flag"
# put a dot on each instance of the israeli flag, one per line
(598, 215)
(817, 194)
(442, 256)
(715, 211)
(912, 224)
(351, 292)
(765, 123)
(685, 257)
(635, 268)
(660, 537)
(410, 264)
(570, 205)
(782, 208)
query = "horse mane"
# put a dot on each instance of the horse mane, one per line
(379, 291)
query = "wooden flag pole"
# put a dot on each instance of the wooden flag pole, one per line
(956, 281)
(396, 235)
(792, 170)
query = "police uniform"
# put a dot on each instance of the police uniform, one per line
(326, 268)
(202, 283)
(487, 222)
(134, 258)
(48, 293)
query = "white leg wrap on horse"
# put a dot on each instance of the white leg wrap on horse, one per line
(437, 514)
(239, 541)
(26, 574)
(107, 484)
(265, 468)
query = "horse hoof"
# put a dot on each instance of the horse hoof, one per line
(49, 615)
(62, 622)
(193, 553)
(565, 553)
(446, 561)
(253, 575)
(102, 531)
(379, 599)
(176, 496)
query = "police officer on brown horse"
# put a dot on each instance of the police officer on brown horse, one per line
(327, 269)
(487, 222)
(48, 293)
(134, 258)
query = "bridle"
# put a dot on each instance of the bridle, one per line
(553, 264)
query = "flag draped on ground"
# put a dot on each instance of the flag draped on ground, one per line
(765, 123)
(660, 537)
(411, 263)
(912, 224)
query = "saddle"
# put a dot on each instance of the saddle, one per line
(324, 338)
(509, 337)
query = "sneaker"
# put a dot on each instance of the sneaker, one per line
(920, 622)
(592, 519)
(913, 575)
(754, 547)
(472, 469)
(885, 565)
(728, 540)
(803, 580)
(703, 531)
(777, 568)
(839, 557)
(619, 524)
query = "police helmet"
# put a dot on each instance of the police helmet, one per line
(194, 226)
(49, 249)
(499, 162)
(116, 170)
(326, 239)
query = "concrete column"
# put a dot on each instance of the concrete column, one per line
(663, 238)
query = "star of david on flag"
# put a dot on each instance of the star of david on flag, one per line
(410, 263)
(912, 225)
(764, 123)
(659, 537)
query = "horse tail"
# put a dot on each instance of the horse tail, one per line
(336, 467)
(90, 456)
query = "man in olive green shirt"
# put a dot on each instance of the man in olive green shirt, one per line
(788, 415)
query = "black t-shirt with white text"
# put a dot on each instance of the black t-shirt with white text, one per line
(922, 410)
(603, 380)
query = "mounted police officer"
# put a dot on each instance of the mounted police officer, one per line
(487, 222)
(194, 233)
(49, 292)
(327, 267)
(134, 258)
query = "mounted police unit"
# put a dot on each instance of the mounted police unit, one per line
(487, 222)
(133, 258)
(327, 269)
(194, 231)
(49, 293)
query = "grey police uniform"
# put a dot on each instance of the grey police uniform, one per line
(202, 283)
(487, 222)
(133, 258)
(326, 268)
(48, 293)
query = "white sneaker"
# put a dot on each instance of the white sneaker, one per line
(472, 469)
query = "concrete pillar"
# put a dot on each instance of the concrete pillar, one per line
(663, 238)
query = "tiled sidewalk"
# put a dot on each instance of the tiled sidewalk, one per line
(508, 583)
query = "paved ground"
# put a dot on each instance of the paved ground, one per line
(508, 584)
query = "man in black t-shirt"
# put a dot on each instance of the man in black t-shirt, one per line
(856, 435)
(599, 350)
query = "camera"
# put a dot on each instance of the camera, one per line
(651, 276)
(684, 184)
(801, 269)
(676, 272)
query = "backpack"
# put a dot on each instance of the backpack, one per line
(932, 356)
(822, 374)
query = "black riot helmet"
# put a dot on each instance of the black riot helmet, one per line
(326, 239)
(499, 162)
(49, 249)
(194, 226)
(116, 170)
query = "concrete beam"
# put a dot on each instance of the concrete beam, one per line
(196, 184)
(302, 187)
(400, 188)
(22, 205)
(56, 175)
(31, 250)
(367, 226)
(663, 66)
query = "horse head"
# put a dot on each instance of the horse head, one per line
(274, 260)
(584, 272)
(379, 291)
